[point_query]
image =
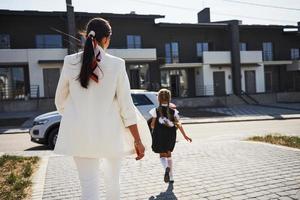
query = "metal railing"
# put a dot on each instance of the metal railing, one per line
(205, 90)
(16, 93)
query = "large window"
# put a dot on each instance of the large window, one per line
(48, 41)
(4, 41)
(295, 54)
(139, 76)
(243, 46)
(267, 51)
(176, 81)
(12, 83)
(201, 47)
(172, 52)
(134, 41)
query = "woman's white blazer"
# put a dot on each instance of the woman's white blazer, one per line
(94, 120)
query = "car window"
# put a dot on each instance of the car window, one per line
(141, 100)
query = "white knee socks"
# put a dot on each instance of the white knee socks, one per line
(167, 162)
(164, 162)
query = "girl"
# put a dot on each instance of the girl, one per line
(164, 123)
(93, 96)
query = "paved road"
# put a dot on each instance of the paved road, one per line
(202, 170)
(229, 130)
(215, 166)
(18, 142)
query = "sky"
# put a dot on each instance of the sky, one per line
(283, 12)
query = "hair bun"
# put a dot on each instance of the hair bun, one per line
(91, 34)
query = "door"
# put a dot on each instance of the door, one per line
(134, 78)
(250, 83)
(51, 77)
(268, 82)
(219, 83)
(175, 84)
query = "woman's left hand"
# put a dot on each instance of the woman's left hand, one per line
(140, 150)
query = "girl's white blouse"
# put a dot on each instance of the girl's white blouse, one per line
(94, 120)
(161, 120)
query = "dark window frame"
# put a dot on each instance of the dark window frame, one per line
(172, 54)
(294, 55)
(47, 45)
(135, 44)
(5, 44)
(268, 54)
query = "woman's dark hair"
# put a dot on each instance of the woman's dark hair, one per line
(102, 29)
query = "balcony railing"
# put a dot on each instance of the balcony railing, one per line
(17, 93)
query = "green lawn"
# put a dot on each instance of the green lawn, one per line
(15, 178)
(290, 141)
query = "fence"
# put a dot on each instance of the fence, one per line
(17, 93)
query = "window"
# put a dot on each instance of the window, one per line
(12, 82)
(141, 100)
(172, 53)
(134, 41)
(295, 54)
(176, 81)
(243, 46)
(4, 41)
(48, 41)
(201, 47)
(267, 51)
(139, 76)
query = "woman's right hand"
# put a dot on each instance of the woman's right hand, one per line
(140, 149)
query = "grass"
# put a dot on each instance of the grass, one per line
(15, 176)
(289, 141)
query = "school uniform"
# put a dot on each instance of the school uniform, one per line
(164, 137)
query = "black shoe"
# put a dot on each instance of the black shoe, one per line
(167, 176)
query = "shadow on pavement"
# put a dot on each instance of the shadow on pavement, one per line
(38, 148)
(168, 194)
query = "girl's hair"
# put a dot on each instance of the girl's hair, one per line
(164, 95)
(102, 29)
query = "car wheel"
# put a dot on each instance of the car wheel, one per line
(52, 138)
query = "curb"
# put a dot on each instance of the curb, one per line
(39, 178)
(13, 130)
(224, 120)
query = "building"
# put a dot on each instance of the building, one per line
(201, 59)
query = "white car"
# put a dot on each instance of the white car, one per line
(45, 127)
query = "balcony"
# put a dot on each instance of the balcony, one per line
(224, 58)
(295, 66)
(134, 54)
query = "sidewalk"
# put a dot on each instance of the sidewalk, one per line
(241, 113)
(202, 170)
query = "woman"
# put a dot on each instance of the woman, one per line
(93, 96)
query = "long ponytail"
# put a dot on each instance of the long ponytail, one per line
(88, 56)
(101, 28)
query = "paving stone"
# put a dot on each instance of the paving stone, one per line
(202, 170)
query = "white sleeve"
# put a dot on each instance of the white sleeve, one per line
(176, 114)
(152, 112)
(62, 90)
(127, 108)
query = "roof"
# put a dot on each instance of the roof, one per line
(192, 25)
(82, 14)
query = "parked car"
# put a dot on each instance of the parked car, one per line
(45, 127)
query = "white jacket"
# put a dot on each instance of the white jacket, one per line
(94, 119)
